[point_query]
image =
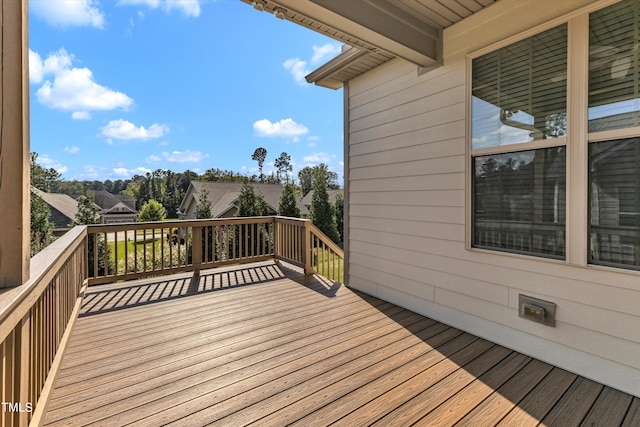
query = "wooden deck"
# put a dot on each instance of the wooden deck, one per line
(264, 345)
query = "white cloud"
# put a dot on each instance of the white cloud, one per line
(285, 128)
(140, 170)
(298, 69)
(47, 162)
(72, 150)
(36, 67)
(152, 159)
(72, 89)
(123, 172)
(68, 13)
(325, 52)
(125, 130)
(312, 141)
(91, 172)
(190, 8)
(184, 156)
(80, 115)
(316, 158)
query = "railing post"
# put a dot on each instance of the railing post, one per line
(196, 248)
(275, 238)
(306, 244)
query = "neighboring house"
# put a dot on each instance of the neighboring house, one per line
(223, 197)
(492, 151)
(305, 202)
(115, 208)
(63, 210)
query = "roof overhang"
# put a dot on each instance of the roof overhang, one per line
(367, 24)
(376, 30)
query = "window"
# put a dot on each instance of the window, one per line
(520, 202)
(518, 129)
(614, 177)
(525, 163)
(614, 163)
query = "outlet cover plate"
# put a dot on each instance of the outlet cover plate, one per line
(537, 310)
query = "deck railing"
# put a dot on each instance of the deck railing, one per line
(129, 251)
(35, 323)
(36, 318)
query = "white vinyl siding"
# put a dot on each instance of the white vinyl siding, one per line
(409, 216)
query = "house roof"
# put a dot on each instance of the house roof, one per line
(110, 203)
(63, 203)
(377, 30)
(223, 195)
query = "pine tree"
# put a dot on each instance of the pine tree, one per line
(339, 206)
(203, 207)
(87, 212)
(251, 203)
(322, 213)
(288, 206)
(259, 156)
(41, 228)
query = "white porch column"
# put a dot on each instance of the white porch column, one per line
(14, 144)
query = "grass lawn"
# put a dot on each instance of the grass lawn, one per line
(132, 247)
(329, 266)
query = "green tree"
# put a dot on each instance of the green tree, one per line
(307, 177)
(87, 212)
(47, 180)
(41, 228)
(152, 211)
(172, 196)
(322, 213)
(283, 166)
(251, 203)
(203, 207)
(259, 156)
(339, 206)
(288, 206)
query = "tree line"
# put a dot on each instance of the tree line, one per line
(159, 193)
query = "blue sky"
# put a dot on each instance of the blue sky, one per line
(122, 87)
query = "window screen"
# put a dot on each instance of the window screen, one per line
(519, 202)
(614, 178)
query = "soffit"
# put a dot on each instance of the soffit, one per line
(379, 29)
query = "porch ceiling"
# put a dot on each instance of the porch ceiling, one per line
(379, 30)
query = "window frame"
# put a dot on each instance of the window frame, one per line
(576, 140)
(472, 153)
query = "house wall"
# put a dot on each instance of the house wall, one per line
(408, 206)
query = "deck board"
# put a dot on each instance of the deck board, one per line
(264, 344)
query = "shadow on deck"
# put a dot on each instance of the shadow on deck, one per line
(105, 298)
(264, 344)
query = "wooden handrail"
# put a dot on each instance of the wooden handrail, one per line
(129, 251)
(301, 243)
(36, 319)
